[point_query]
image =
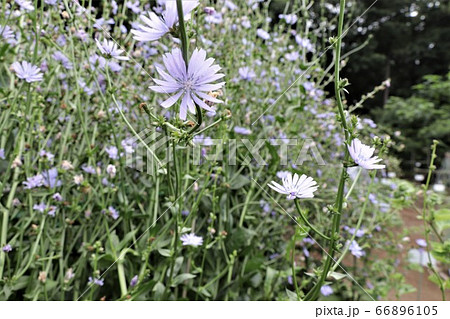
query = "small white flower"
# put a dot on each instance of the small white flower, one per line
(440, 188)
(263, 34)
(295, 187)
(191, 240)
(25, 4)
(66, 165)
(69, 275)
(78, 179)
(111, 49)
(16, 162)
(363, 155)
(111, 170)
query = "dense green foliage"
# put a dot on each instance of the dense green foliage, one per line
(419, 119)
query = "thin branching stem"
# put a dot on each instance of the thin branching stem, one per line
(426, 219)
(314, 292)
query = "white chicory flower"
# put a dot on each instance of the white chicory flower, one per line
(295, 186)
(363, 155)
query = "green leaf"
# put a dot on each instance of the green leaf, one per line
(292, 296)
(268, 283)
(239, 182)
(255, 263)
(20, 283)
(158, 290)
(112, 246)
(181, 278)
(337, 276)
(442, 219)
(164, 252)
(435, 280)
(203, 291)
(178, 264)
(442, 214)
(7, 292)
(143, 288)
(275, 158)
(256, 280)
(415, 266)
(241, 238)
(106, 260)
(406, 289)
(441, 251)
(126, 240)
(50, 285)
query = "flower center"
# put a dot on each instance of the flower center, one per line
(188, 84)
(361, 158)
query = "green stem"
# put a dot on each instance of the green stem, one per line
(183, 34)
(171, 188)
(12, 192)
(244, 210)
(425, 219)
(128, 123)
(185, 50)
(294, 274)
(353, 184)
(305, 220)
(198, 113)
(176, 171)
(358, 225)
(121, 274)
(209, 126)
(33, 251)
(174, 256)
(220, 275)
(314, 292)
(135, 133)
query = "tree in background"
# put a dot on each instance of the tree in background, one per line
(410, 40)
(419, 119)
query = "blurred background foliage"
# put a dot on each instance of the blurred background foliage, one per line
(420, 118)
